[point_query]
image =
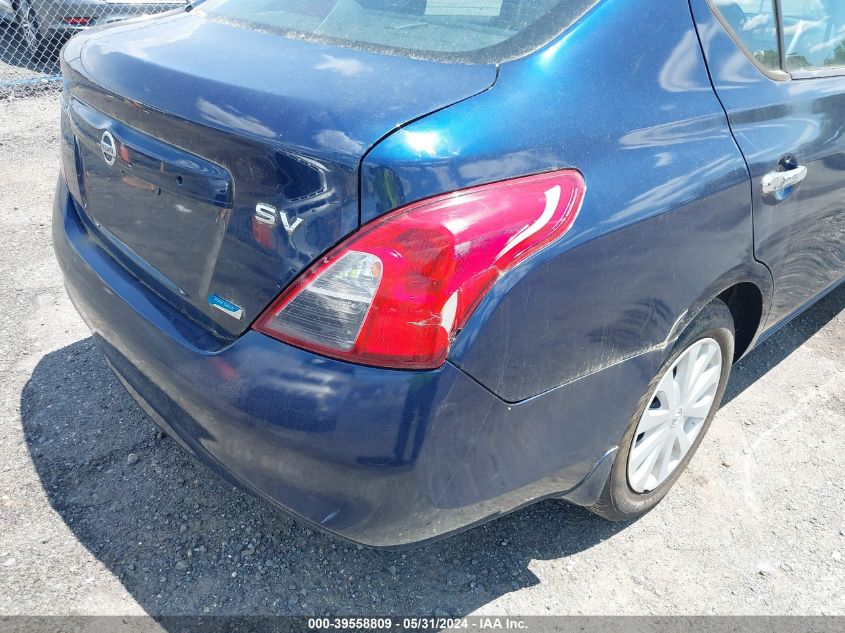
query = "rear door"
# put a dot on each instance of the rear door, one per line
(779, 70)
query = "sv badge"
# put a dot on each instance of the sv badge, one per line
(271, 216)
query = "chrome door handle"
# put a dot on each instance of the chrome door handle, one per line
(776, 181)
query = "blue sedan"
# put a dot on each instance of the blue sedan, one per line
(402, 266)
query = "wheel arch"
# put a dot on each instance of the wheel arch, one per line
(747, 291)
(745, 301)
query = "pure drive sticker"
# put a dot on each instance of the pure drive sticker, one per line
(226, 306)
(473, 8)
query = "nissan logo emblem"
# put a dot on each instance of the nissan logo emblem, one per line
(108, 147)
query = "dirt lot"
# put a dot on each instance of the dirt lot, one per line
(756, 526)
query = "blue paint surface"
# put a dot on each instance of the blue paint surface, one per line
(543, 379)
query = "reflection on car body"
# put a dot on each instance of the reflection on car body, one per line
(401, 267)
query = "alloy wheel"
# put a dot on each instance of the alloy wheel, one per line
(675, 416)
(28, 23)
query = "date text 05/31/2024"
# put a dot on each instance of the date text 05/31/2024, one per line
(415, 624)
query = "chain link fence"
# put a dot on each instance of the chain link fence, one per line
(32, 33)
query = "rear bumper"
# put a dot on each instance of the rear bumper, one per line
(381, 457)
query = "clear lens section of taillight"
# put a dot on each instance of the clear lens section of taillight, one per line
(395, 293)
(331, 309)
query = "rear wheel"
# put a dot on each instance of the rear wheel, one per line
(671, 417)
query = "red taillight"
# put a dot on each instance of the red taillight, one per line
(395, 293)
(74, 21)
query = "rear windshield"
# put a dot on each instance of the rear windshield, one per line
(472, 31)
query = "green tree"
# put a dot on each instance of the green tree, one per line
(838, 58)
(797, 62)
(768, 58)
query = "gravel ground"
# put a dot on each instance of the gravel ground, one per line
(100, 515)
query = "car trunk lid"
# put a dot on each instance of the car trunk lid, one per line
(217, 162)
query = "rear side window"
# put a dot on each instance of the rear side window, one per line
(809, 33)
(753, 22)
(473, 31)
(814, 34)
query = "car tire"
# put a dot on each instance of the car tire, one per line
(30, 31)
(661, 426)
